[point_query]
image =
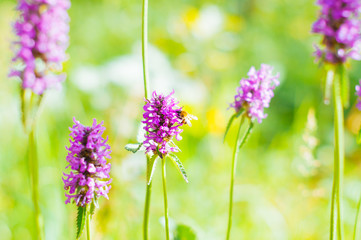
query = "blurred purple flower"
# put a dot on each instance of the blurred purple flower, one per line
(42, 29)
(340, 27)
(358, 94)
(87, 154)
(256, 92)
(163, 119)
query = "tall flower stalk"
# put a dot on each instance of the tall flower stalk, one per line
(42, 30)
(89, 176)
(253, 95)
(146, 93)
(339, 25)
(162, 121)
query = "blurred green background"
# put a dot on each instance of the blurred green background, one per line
(200, 49)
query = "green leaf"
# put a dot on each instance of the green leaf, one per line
(80, 221)
(94, 204)
(246, 135)
(133, 147)
(179, 166)
(151, 163)
(184, 232)
(234, 116)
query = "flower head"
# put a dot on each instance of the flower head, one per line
(340, 27)
(163, 119)
(255, 92)
(87, 154)
(358, 94)
(42, 29)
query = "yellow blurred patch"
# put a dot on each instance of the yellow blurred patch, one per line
(190, 16)
(220, 61)
(216, 121)
(234, 23)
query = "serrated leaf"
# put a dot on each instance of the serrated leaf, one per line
(151, 163)
(179, 166)
(93, 206)
(80, 221)
(133, 147)
(184, 232)
(229, 124)
(246, 135)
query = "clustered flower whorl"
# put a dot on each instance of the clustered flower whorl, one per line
(255, 92)
(340, 27)
(162, 119)
(87, 156)
(42, 29)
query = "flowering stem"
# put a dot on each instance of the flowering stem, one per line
(146, 94)
(145, 46)
(356, 220)
(165, 199)
(34, 178)
(88, 218)
(146, 207)
(339, 155)
(238, 144)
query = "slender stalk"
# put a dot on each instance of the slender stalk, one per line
(146, 210)
(339, 149)
(238, 144)
(34, 178)
(333, 220)
(356, 220)
(146, 94)
(145, 46)
(165, 199)
(88, 218)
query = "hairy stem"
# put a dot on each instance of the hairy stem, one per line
(165, 199)
(34, 178)
(238, 144)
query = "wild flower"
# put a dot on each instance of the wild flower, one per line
(339, 24)
(42, 31)
(255, 92)
(87, 154)
(163, 119)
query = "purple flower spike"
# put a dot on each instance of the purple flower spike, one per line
(358, 94)
(256, 92)
(340, 27)
(87, 154)
(42, 29)
(163, 119)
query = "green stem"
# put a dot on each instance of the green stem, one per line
(238, 144)
(34, 178)
(356, 220)
(88, 218)
(339, 149)
(333, 220)
(146, 211)
(146, 94)
(165, 199)
(145, 46)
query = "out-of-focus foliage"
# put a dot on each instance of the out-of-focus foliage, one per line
(201, 49)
